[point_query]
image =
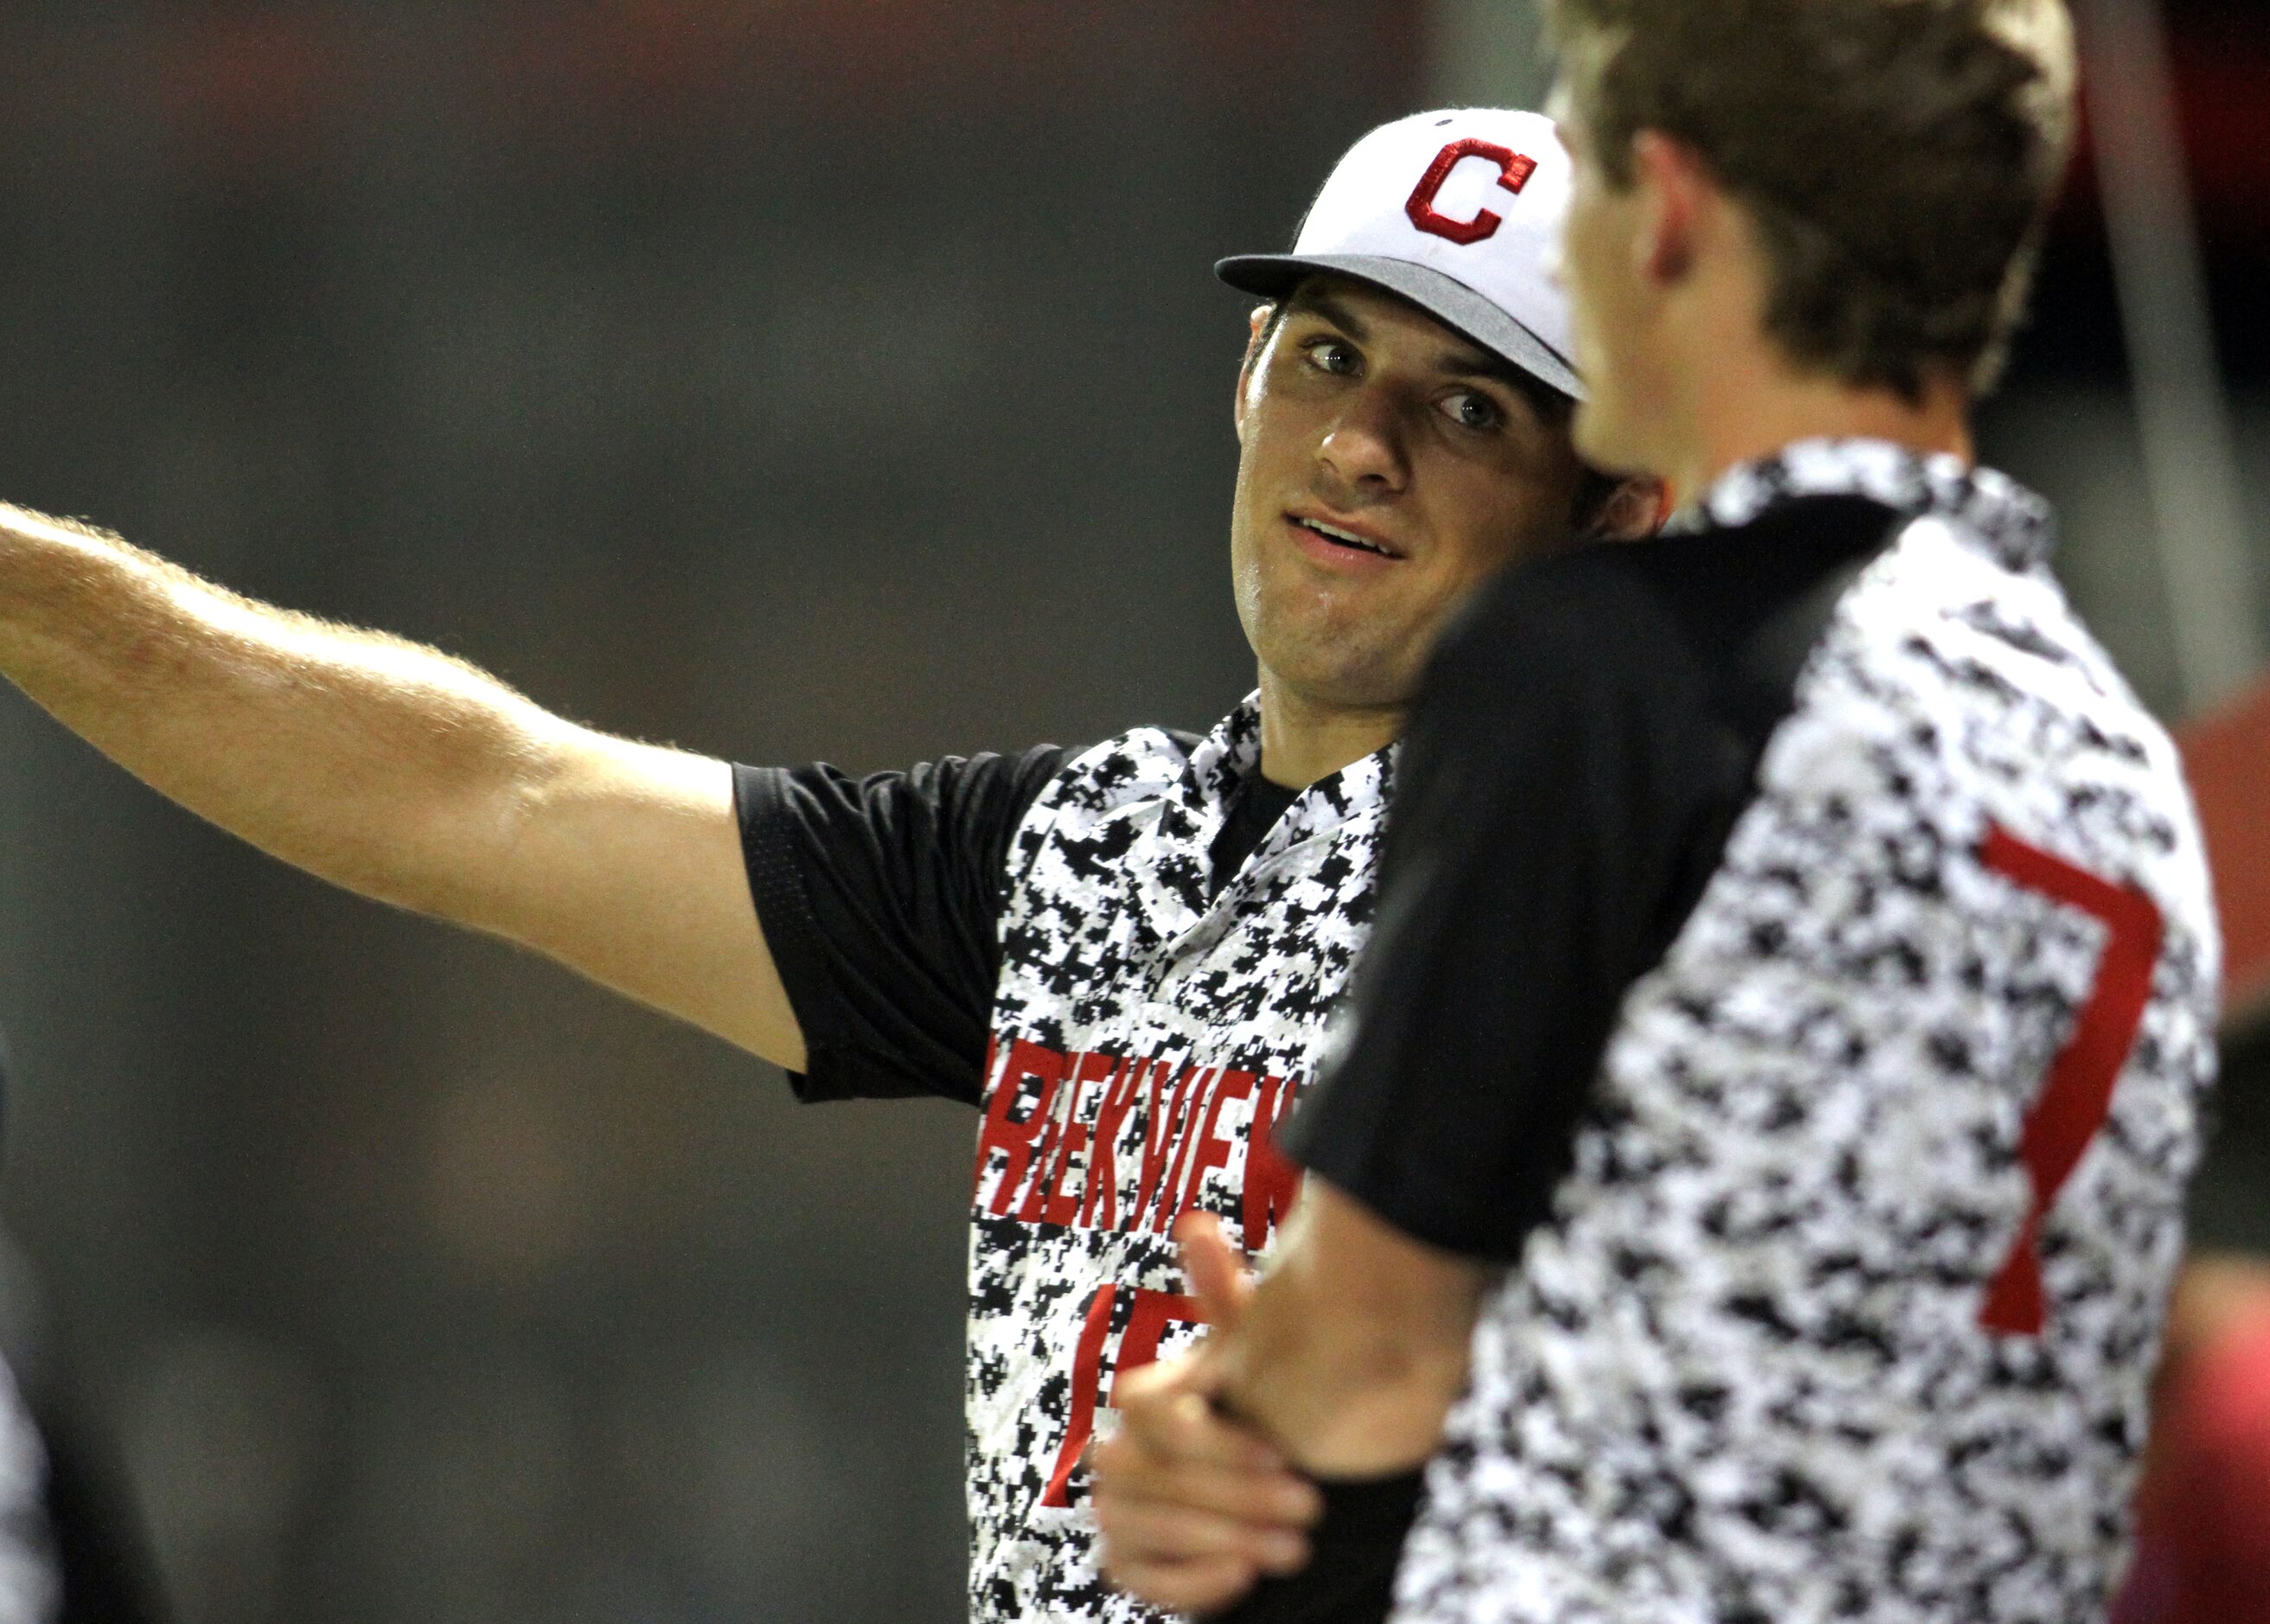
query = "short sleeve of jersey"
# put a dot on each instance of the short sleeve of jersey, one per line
(880, 899)
(1562, 792)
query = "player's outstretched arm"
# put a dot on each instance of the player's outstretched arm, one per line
(399, 773)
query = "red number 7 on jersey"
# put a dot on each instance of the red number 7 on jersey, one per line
(2078, 1093)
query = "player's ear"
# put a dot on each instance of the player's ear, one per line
(1255, 335)
(1674, 192)
(1635, 511)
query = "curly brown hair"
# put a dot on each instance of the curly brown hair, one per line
(1898, 157)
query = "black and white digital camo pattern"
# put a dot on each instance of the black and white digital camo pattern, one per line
(1740, 1376)
(1140, 1030)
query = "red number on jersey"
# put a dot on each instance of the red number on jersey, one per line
(1148, 1315)
(2078, 1093)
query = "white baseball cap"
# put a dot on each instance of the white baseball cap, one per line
(1458, 211)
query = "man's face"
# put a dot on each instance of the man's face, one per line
(1389, 466)
(1609, 308)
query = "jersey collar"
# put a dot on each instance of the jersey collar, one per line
(1225, 757)
(1166, 860)
(1989, 509)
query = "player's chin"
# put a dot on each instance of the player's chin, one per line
(1342, 675)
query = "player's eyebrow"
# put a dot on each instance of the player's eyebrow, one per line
(1470, 363)
(1458, 360)
(1333, 311)
(1547, 402)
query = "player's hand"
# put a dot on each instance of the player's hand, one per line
(1195, 1509)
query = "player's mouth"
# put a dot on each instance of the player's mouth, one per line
(1339, 544)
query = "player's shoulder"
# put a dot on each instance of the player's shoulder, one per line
(1090, 797)
(1559, 599)
(1598, 618)
(1140, 757)
(1140, 764)
(1627, 609)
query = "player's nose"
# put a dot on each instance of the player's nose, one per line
(1364, 445)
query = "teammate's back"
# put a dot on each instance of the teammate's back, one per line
(1794, 1345)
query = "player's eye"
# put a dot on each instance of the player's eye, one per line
(1472, 408)
(1333, 355)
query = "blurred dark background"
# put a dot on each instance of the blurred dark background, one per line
(787, 379)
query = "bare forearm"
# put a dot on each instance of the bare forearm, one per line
(384, 766)
(1343, 1400)
(400, 772)
(1354, 1345)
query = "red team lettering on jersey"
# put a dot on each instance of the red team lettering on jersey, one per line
(1060, 1161)
(1050, 1143)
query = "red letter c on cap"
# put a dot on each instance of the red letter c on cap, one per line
(1513, 171)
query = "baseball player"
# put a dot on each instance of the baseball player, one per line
(1769, 1092)
(1121, 957)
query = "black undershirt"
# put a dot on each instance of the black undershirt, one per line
(1254, 809)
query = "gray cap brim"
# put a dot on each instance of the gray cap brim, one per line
(1446, 299)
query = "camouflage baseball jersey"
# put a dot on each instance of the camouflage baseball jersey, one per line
(1144, 1031)
(1842, 1183)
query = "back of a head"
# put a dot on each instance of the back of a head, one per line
(1899, 157)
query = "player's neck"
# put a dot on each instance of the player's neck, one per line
(1304, 740)
(1750, 406)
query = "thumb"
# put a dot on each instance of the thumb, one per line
(1216, 1270)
